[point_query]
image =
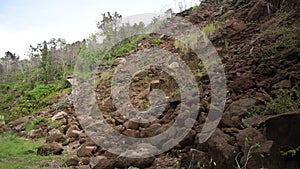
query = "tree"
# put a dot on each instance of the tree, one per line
(109, 25)
(11, 56)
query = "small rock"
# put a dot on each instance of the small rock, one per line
(73, 131)
(59, 115)
(85, 161)
(131, 124)
(131, 133)
(150, 131)
(86, 151)
(100, 162)
(255, 120)
(35, 133)
(49, 149)
(189, 139)
(55, 136)
(118, 61)
(284, 84)
(74, 134)
(74, 161)
(20, 127)
(193, 158)
(123, 162)
(238, 107)
(241, 84)
(119, 128)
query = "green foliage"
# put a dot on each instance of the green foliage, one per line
(9, 92)
(191, 41)
(126, 46)
(227, 42)
(51, 65)
(200, 69)
(290, 153)
(181, 45)
(117, 39)
(156, 41)
(210, 28)
(109, 25)
(195, 8)
(221, 10)
(38, 120)
(286, 100)
(33, 100)
(198, 166)
(288, 37)
(11, 145)
(247, 154)
(131, 167)
(18, 153)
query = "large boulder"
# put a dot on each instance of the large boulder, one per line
(50, 149)
(221, 151)
(256, 149)
(284, 130)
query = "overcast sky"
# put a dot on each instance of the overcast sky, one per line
(28, 22)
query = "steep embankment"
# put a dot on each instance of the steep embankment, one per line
(258, 43)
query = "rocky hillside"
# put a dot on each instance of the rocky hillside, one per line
(258, 43)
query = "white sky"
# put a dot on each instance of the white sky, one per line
(28, 22)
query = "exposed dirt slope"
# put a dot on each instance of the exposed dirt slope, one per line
(258, 42)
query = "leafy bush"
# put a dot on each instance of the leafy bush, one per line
(286, 100)
(33, 100)
(9, 92)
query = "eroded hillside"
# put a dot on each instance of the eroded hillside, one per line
(258, 43)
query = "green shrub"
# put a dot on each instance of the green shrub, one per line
(181, 45)
(34, 100)
(285, 100)
(156, 41)
(210, 28)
